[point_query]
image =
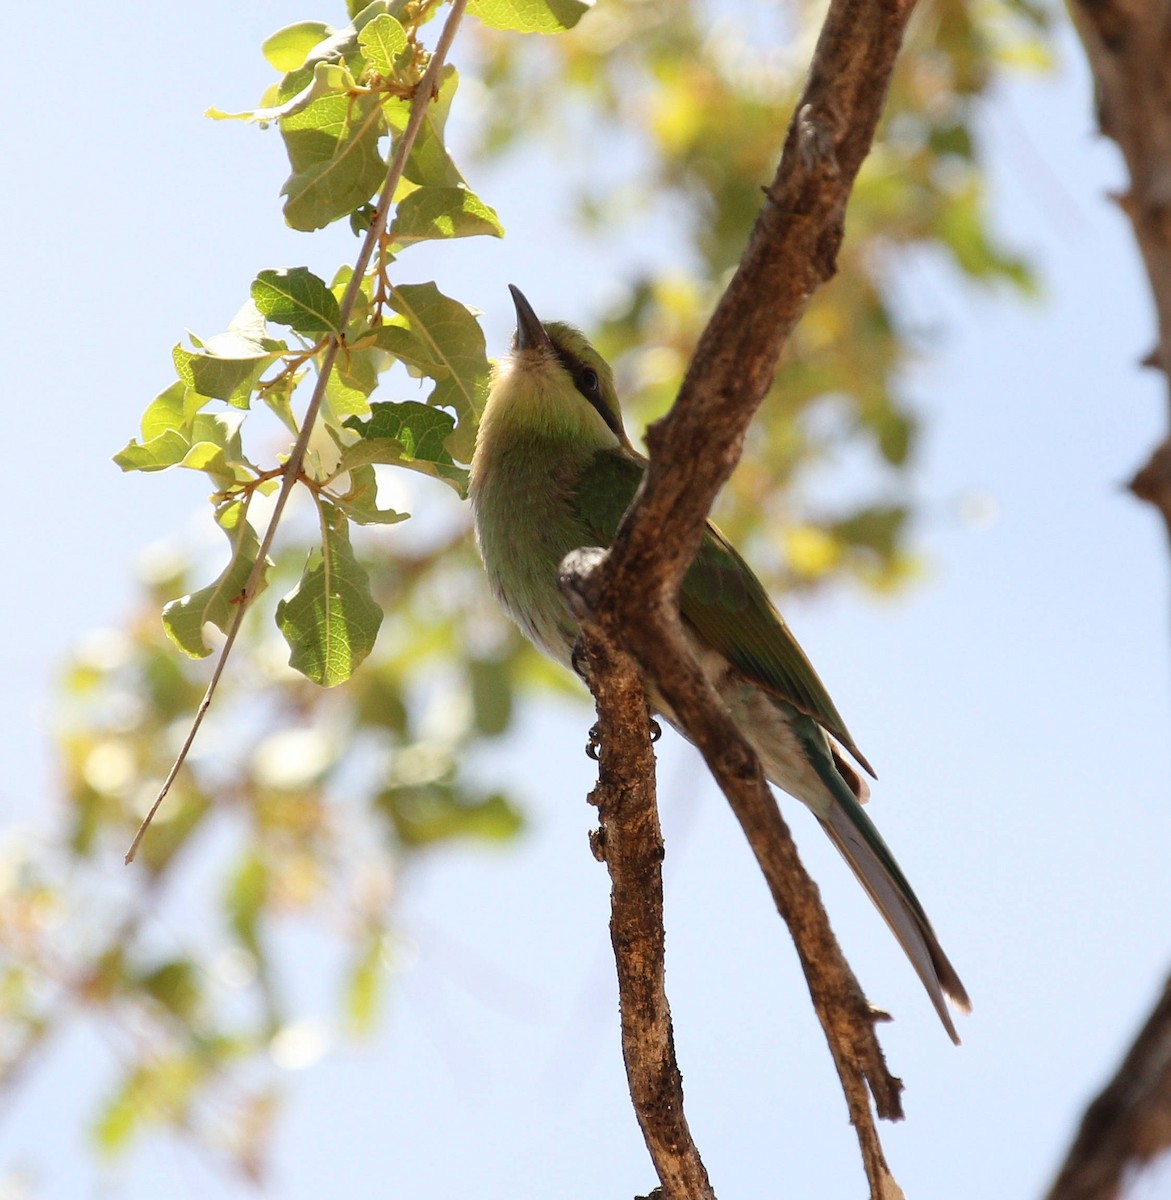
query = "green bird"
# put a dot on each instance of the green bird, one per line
(553, 470)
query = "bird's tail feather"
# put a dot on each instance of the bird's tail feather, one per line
(861, 845)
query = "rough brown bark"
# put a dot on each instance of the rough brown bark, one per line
(630, 843)
(1129, 1122)
(1128, 44)
(627, 599)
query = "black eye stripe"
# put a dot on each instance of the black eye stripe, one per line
(577, 369)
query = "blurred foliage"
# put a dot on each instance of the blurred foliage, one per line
(303, 805)
(309, 801)
(701, 101)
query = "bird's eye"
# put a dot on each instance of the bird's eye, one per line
(589, 379)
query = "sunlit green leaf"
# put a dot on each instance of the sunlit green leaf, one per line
(296, 297)
(429, 163)
(332, 143)
(353, 378)
(529, 16)
(431, 212)
(407, 434)
(410, 349)
(340, 48)
(174, 408)
(384, 44)
(185, 618)
(287, 49)
(165, 450)
(330, 620)
(452, 337)
(360, 503)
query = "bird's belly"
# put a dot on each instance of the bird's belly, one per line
(765, 721)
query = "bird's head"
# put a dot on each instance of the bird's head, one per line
(554, 383)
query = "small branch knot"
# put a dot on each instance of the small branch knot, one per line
(598, 843)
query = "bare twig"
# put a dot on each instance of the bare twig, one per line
(631, 596)
(427, 90)
(630, 842)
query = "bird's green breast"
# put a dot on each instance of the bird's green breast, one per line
(525, 525)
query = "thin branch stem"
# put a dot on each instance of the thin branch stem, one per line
(425, 93)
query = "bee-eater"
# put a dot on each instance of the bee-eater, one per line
(553, 470)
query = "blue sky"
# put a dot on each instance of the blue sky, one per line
(1016, 703)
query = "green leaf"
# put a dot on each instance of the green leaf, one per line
(364, 987)
(340, 48)
(423, 814)
(410, 349)
(287, 49)
(384, 44)
(453, 338)
(332, 143)
(491, 689)
(228, 365)
(360, 503)
(405, 434)
(185, 618)
(216, 449)
(350, 383)
(173, 408)
(879, 529)
(175, 985)
(430, 213)
(529, 16)
(323, 81)
(166, 450)
(247, 895)
(120, 1116)
(176, 433)
(429, 163)
(230, 379)
(160, 1091)
(296, 297)
(330, 620)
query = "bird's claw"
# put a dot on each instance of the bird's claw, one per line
(656, 730)
(594, 744)
(577, 659)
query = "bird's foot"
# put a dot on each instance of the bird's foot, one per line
(594, 744)
(577, 658)
(656, 730)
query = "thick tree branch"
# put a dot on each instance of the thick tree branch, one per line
(1128, 44)
(630, 843)
(1129, 1122)
(631, 595)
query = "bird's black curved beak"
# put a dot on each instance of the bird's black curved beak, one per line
(530, 333)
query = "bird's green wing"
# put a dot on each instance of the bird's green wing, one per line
(722, 599)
